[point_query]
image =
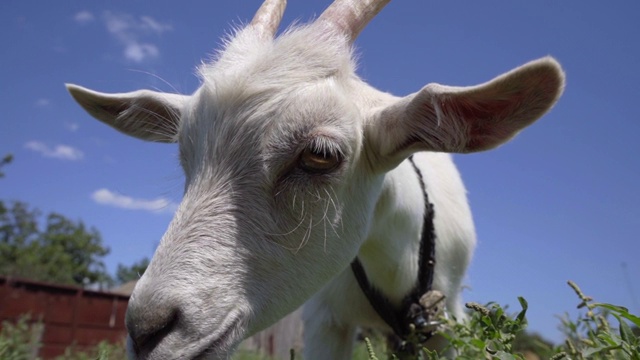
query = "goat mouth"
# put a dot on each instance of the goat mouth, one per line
(219, 340)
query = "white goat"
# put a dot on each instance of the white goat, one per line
(294, 168)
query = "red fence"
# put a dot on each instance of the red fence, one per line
(71, 315)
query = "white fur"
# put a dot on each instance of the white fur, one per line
(257, 235)
(389, 254)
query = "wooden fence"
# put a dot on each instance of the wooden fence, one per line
(276, 341)
(70, 315)
(73, 316)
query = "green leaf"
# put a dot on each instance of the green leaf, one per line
(503, 355)
(626, 334)
(478, 343)
(608, 339)
(486, 321)
(525, 306)
(599, 350)
(622, 311)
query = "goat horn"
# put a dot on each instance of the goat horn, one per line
(351, 16)
(267, 18)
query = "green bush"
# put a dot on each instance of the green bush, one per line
(604, 331)
(594, 336)
(20, 340)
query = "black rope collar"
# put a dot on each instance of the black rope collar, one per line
(418, 308)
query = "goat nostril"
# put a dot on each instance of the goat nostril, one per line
(147, 327)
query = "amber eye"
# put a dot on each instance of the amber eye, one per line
(317, 161)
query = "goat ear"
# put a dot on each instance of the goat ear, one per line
(144, 114)
(466, 119)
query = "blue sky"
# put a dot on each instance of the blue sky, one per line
(559, 202)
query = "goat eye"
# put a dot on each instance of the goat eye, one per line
(318, 161)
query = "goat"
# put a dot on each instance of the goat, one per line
(295, 167)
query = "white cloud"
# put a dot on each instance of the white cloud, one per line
(107, 197)
(42, 102)
(132, 35)
(84, 17)
(149, 23)
(118, 24)
(71, 126)
(63, 152)
(139, 52)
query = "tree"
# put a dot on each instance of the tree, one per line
(125, 274)
(5, 160)
(18, 229)
(64, 251)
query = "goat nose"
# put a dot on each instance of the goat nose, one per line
(149, 319)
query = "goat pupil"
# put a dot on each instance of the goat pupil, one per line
(320, 155)
(318, 160)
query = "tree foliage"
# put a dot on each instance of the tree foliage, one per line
(5, 161)
(62, 251)
(125, 274)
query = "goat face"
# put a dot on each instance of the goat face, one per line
(261, 226)
(276, 200)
